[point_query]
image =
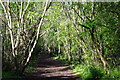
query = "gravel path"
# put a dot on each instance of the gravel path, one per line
(51, 69)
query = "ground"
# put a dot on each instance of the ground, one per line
(51, 69)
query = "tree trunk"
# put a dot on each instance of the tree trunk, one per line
(58, 43)
(119, 20)
(100, 54)
(69, 44)
(37, 36)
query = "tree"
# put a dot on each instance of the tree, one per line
(23, 37)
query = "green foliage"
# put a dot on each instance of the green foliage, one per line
(29, 68)
(69, 35)
(9, 75)
(114, 73)
(88, 72)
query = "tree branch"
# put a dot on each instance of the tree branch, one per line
(24, 11)
(37, 36)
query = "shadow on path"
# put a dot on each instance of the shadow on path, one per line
(51, 69)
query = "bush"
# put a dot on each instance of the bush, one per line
(88, 72)
(10, 74)
(114, 73)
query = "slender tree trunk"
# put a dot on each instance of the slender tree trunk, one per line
(100, 54)
(95, 41)
(69, 43)
(58, 43)
(37, 36)
(119, 20)
(102, 47)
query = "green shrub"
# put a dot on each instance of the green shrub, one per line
(88, 72)
(10, 74)
(96, 73)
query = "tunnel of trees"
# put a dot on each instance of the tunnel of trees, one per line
(84, 34)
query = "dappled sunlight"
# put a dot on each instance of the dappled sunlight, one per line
(60, 40)
(51, 68)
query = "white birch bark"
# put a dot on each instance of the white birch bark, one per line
(38, 31)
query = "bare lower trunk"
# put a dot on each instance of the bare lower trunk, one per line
(119, 20)
(37, 36)
(100, 54)
(103, 60)
(59, 50)
(58, 44)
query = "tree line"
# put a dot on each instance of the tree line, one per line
(85, 32)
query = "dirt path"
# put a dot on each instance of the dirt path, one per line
(51, 69)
